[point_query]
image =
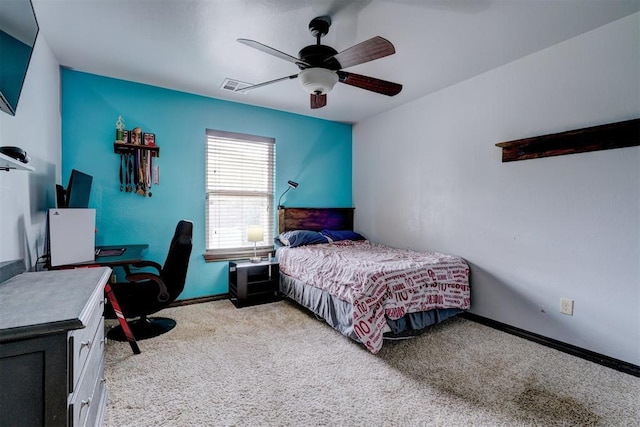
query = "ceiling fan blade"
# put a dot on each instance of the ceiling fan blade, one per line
(368, 50)
(293, 76)
(271, 51)
(370, 83)
(318, 101)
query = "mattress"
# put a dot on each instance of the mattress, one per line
(364, 289)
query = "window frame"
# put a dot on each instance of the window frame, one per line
(228, 254)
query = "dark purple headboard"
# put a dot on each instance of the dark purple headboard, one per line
(315, 219)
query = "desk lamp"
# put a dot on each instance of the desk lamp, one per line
(255, 234)
(293, 185)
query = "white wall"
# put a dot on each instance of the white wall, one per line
(25, 196)
(428, 176)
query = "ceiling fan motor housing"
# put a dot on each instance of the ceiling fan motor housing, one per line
(315, 56)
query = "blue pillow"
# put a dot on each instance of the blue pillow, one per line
(301, 237)
(337, 235)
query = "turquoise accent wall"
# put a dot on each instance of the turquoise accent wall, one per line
(315, 153)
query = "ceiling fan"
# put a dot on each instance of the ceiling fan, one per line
(321, 67)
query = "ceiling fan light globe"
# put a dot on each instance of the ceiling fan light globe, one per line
(317, 80)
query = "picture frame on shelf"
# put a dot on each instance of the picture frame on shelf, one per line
(149, 139)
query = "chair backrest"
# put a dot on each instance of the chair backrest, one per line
(174, 270)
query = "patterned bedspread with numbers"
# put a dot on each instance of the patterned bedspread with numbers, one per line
(380, 281)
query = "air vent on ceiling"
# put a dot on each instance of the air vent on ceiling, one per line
(234, 85)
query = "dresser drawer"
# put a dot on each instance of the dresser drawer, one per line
(82, 341)
(83, 403)
(90, 371)
(98, 401)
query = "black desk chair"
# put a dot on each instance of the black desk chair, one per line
(147, 293)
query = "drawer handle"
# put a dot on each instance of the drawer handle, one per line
(85, 402)
(85, 344)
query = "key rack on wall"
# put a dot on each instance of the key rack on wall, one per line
(138, 171)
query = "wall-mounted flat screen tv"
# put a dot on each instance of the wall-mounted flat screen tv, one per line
(18, 33)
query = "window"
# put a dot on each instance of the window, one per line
(240, 185)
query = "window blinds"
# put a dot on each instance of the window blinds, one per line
(240, 185)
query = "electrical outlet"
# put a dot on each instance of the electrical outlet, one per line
(566, 306)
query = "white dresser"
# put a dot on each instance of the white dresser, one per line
(52, 348)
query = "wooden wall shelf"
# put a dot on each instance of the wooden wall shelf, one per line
(603, 137)
(121, 147)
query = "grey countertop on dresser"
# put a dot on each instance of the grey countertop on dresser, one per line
(8, 269)
(46, 302)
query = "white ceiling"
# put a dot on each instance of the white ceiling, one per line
(191, 46)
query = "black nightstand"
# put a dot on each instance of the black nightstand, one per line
(253, 282)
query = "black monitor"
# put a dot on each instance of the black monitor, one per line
(61, 197)
(77, 193)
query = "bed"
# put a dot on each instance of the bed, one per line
(367, 291)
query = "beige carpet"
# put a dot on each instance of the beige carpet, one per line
(276, 365)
